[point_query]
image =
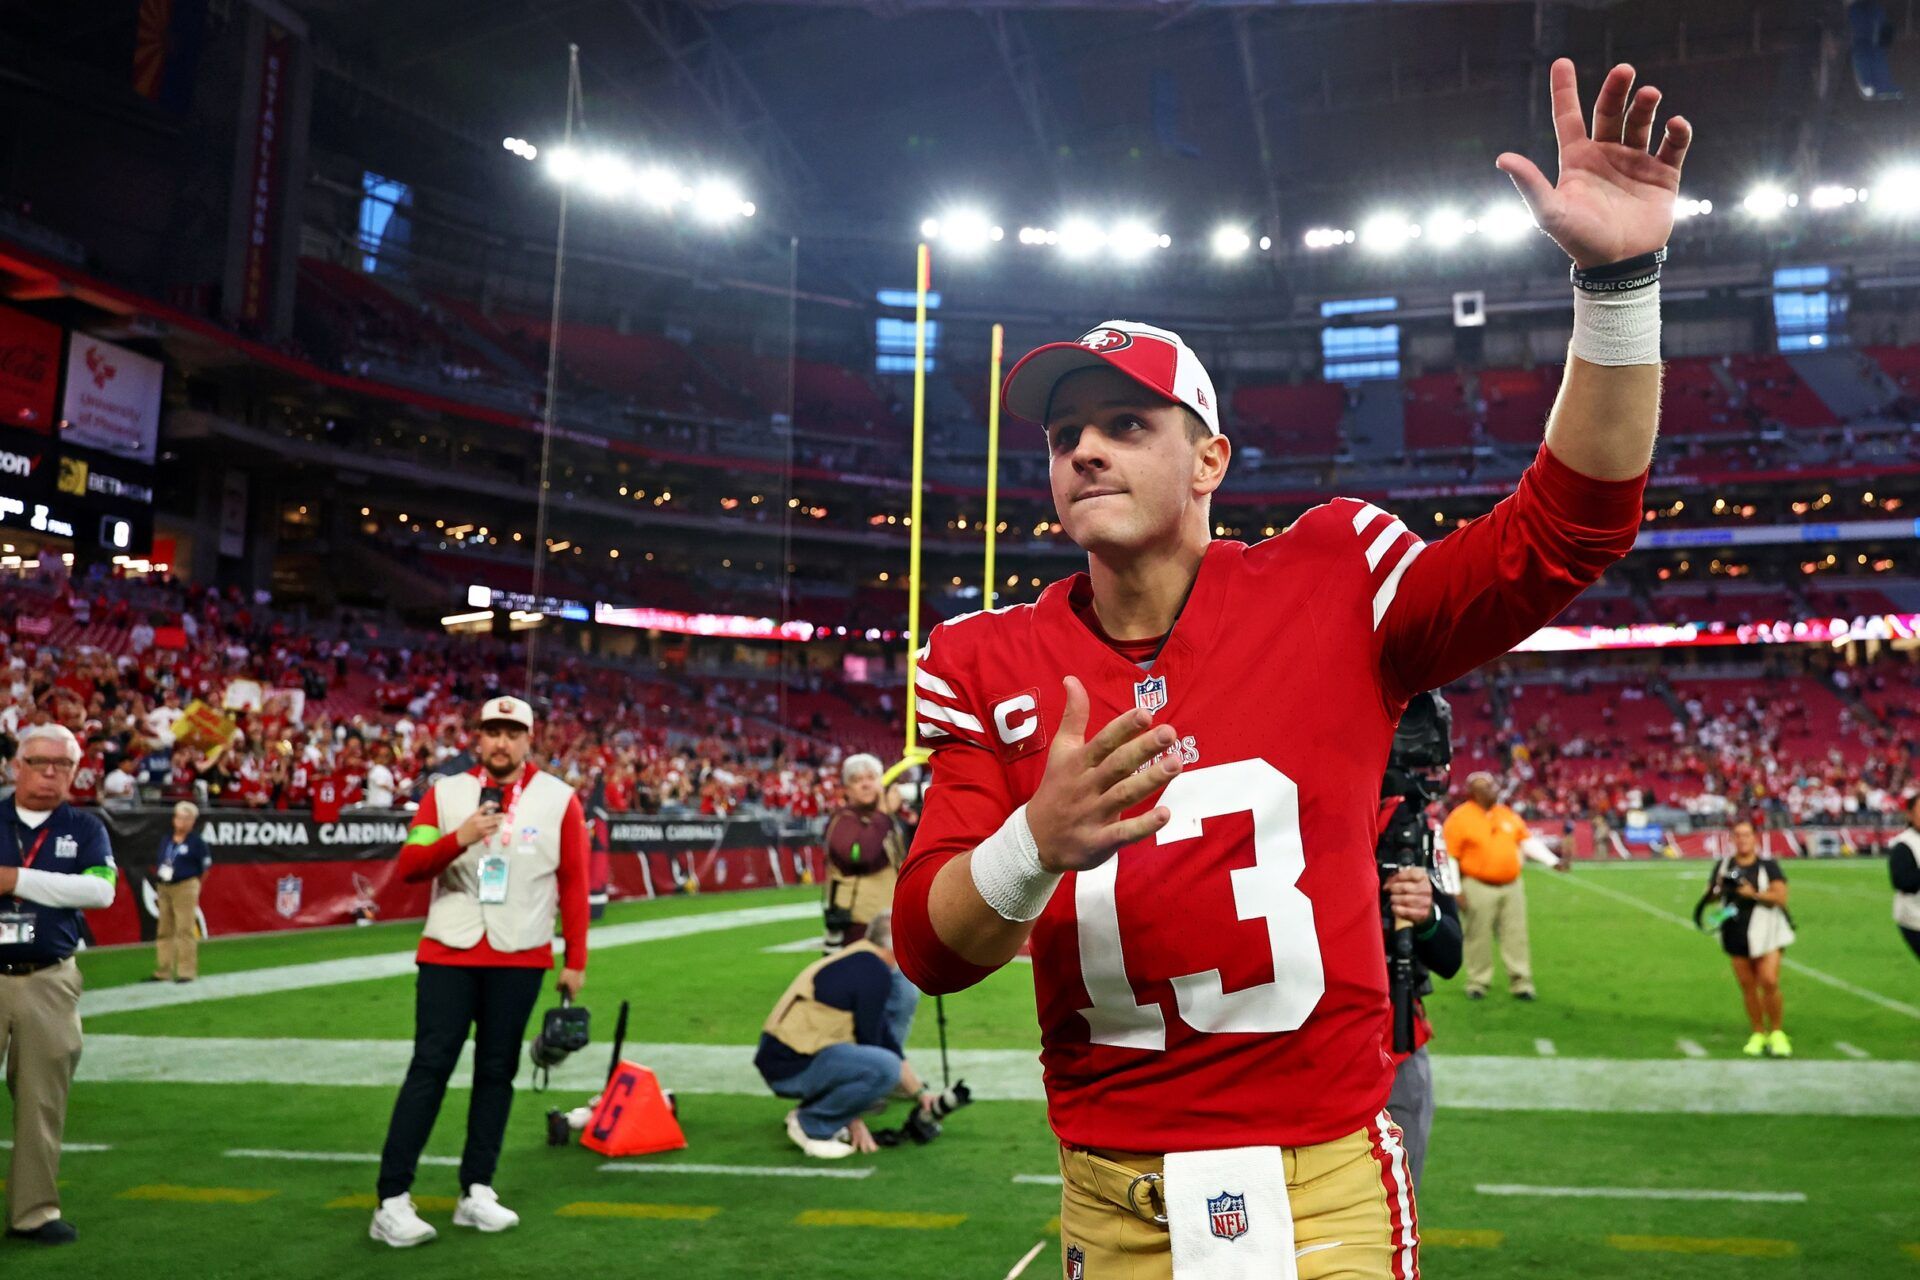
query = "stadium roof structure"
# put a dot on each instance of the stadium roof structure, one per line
(871, 115)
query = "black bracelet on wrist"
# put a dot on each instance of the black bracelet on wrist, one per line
(1619, 277)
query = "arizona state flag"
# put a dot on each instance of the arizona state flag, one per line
(166, 50)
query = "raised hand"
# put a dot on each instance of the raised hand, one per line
(1075, 812)
(1615, 196)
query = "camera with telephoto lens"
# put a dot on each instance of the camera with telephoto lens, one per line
(563, 1032)
(922, 1127)
(1422, 750)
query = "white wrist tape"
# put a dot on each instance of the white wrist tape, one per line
(1008, 874)
(1617, 328)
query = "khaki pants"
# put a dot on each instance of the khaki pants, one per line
(179, 930)
(1490, 911)
(40, 1039)
(1351, 1197)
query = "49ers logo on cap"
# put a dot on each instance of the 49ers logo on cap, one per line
(1107, 340)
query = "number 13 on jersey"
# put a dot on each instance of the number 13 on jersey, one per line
(1267, 891)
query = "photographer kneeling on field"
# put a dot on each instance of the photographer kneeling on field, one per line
(831, 1043)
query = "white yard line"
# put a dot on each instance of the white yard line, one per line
(1839, 984)
(797, 947)
(327, 1157)
(1020, 1267)
(1641, 1193)
(1483, 1083)
(1037, 1179)
(327, 973)
(1545, 1048)
(1691, 1048)
(1851, 1050)
(67, 1148)
(738, 1170)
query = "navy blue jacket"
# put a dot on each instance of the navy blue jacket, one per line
(69, 841)
(188, 858)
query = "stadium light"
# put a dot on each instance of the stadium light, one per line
(563, 163)
(520, 147)
(1230, 242)
(1132, 239)
(1078, 237)
(1445, 228)
(1767, 202)
(1387, 233)
(1684, 208)
(660, 187)
(965, 230)
(1832, 196)
(1326, 237)
(1898, 191)
(1505, 221)
(717, 200)
(606, 174)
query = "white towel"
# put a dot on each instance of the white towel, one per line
(1228, 1214)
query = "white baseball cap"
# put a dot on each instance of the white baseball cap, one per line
(508, 709)
(1155, 358)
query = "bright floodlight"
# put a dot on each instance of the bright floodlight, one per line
(1133, 239)
(606, 174)
(1505, 221)
(1446, 228)
(1078, 237)
(1684, 207)
(658, 186)
(564, 164)
(1386, 232)
(1326, 237)
(1766, 202)
(930, 228)
(520, 147)
(966, 230)
(1230, 242)
(1832, 196)
(1898, 191)
(717, 200)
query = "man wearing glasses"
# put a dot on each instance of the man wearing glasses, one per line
(54, 863)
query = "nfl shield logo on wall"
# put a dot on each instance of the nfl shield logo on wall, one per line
(286, 896)
(1076, 1262)
(1227, 1214)
(1150, 694)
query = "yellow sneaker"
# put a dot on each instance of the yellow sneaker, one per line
(1756, 1045)
(1778, 1045)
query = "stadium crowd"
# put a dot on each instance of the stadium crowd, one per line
(190, 693)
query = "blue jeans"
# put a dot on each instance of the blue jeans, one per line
(840, 1085)
(900, 1008)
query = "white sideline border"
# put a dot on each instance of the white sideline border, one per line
(1640, 1193)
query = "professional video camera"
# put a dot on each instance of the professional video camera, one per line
(1422, 746)
(563, 1031)
(922, 1127)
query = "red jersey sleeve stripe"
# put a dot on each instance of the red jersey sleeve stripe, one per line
(948, 715)
(1383, 598)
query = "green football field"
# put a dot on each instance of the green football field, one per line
(230, 1127)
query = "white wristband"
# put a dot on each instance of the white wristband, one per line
(1008, 874)
(1617, 328)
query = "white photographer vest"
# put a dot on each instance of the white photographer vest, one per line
(457, 917)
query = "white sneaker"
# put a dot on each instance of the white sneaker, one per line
(397, 1223)
(481, 1208)
(819, 1148)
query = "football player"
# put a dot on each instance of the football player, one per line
(1164, 775)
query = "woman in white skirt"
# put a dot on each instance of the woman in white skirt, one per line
(1754, 929)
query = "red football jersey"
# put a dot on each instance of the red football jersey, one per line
(1224, 984)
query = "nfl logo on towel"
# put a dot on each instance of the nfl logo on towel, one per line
(286, 896)
(1150, 694)
(1076, 1262)
(1227, 1214)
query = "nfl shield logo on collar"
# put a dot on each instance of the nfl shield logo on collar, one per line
(1227, 1215)
(286, 896)
(1076, 1262)
(1150, 694)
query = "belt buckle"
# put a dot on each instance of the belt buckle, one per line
(1153, 1181)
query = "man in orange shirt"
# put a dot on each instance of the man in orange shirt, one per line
(1488, 842)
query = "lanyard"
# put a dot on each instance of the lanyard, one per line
(509, 805)
(26, 858)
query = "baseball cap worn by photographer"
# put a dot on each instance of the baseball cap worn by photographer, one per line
(1155, 358)
(506, 710)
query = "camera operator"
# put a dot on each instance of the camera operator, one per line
(1418, 911)
(505, 845)
(831, 1044)
(865, 844)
